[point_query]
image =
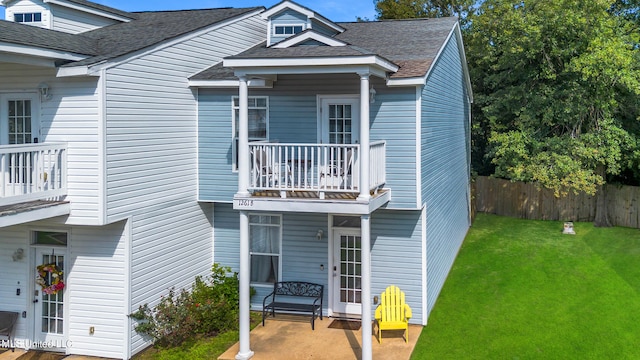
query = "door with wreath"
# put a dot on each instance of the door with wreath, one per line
(48, 297)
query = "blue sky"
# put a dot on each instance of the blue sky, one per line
(335, 10)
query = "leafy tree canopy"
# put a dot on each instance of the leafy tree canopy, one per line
(408, 9)
(557, 86)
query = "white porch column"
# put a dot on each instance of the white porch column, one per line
(243, 138)
(365, 239)
(364, 137)
(244, 352)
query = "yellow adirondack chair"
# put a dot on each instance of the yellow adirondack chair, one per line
(393, 313)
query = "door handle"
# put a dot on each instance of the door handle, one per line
(35, 301)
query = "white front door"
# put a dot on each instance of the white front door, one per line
(48, 306)
(347, 272)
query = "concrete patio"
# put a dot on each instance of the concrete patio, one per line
(290, 337)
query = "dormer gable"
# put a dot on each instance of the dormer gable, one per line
(309, 37)
(70, 16)
(287, 19)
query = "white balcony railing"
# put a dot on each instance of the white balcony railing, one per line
(32, 172)
(313, 167)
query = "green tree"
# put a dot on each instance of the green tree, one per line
(409, 9)
(556, 85)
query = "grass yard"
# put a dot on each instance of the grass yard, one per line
(520, 289)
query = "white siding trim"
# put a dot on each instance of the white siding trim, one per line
(425, 279)
(128, 328)
(256, 64)
(418, 146)
(89, 10)
(40, 52)
(102, 147)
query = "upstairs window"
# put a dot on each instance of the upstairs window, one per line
(28, 17)
(288, 29)
(258, 122)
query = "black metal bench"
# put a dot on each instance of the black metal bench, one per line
(308, 298)
(8, 321)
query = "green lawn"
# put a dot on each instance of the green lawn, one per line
(520, 289)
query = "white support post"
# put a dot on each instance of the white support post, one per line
(244, 353)
(243, 138)
(364, 138)
(365, 239)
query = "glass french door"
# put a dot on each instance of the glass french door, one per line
(347, 274)
(18, 119)
(49, 308)
(19, 125)
(340, 123)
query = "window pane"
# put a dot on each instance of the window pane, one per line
(28, 17)
(50, 238)
(264, 269)
(279, 30)
(265, 239)
(297, 29)
(37, 17)
(261, 102)
(19, 17)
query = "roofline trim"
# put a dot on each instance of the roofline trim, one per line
(125, 58)
(369, 60)
(308, 35)
(38, 51)
(421, 80)
(308, 70)
(252, 83)
(90, 10)
(286, 4)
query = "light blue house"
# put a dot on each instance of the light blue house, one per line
(275, 141)
(340, 157)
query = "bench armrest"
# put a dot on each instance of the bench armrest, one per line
(264, 301)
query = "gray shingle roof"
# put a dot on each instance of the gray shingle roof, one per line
(411, 44)
(21, 34)
(106, 43)
(152, 28)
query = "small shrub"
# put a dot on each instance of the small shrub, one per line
(209, 308)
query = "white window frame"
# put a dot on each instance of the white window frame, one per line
(32, 17)
(292, 26)
(278, 254)
(234, 138)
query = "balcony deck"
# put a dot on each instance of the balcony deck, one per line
(33, 182)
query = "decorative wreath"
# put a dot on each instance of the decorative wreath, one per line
(50, 284)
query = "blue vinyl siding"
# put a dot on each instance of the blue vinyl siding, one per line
(302, 252)
(293, 119)
(396, 251)
(396, 256)
(445, 173)
(394, 120)
(216, 180)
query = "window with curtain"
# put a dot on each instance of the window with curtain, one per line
(265, 237)
(258, 122)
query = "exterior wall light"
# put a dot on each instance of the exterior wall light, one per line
(45, 94)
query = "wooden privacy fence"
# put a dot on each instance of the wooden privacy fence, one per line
(526, 201)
